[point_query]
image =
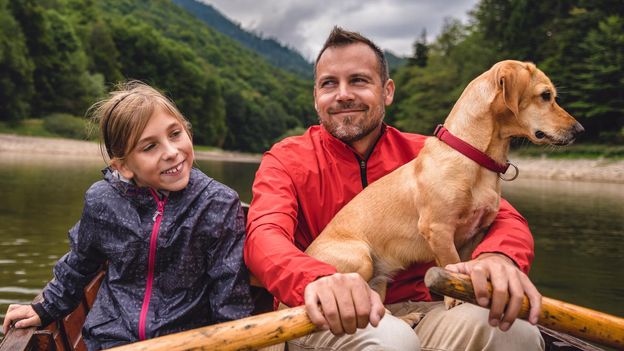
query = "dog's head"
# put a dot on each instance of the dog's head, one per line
(526, 99)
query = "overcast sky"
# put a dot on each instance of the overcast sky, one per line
(304, 24)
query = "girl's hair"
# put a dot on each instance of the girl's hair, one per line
(122, 117)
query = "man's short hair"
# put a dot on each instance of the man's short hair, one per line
(340, 37)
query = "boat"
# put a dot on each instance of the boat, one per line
(65, 335)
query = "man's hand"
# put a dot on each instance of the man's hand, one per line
(508, 281)
(342, 303)
(23, 315)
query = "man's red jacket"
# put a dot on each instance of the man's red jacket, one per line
(304, 181)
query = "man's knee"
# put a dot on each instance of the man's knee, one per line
(469, 324)
(391, 334)
(394, 334)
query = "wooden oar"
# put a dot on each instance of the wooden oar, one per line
(578, 321)
(243, 334)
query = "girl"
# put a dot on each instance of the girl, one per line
(172, 237)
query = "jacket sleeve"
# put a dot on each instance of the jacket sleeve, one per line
(270, 252)
(509, 234)
(74, 270)
(230, 298)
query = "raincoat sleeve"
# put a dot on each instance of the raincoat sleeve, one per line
(230, 298)
(509, 234)
(270, 252)
(75, 269)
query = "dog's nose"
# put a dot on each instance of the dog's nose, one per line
(577, 128)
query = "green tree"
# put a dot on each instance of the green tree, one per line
(421, 51)
(600, 90)
(16, 69)
(148, 56)
(62, 82)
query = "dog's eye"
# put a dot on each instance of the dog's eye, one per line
(546, 95)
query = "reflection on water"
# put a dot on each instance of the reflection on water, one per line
(578, 230)
(578, 227)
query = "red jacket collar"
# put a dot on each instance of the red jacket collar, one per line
(342, 149)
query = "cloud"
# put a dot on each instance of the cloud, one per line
(305, 24)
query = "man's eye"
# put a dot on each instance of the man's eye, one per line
(546, 96)
(326, 83)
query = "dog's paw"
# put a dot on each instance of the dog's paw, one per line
(412, 318)
(450, 302)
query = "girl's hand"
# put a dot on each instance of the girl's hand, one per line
(24, 316)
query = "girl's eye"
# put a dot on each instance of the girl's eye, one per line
(176, 133)
(149, 147)
(546, 96)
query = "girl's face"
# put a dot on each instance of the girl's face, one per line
(163, 157)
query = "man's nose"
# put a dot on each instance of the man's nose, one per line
(344, 92)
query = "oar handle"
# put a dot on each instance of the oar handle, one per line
(580, 322)
(244, 334)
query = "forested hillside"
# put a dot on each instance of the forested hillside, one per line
(62, 55)
(579, 44)
(275, 52)
(57, 57)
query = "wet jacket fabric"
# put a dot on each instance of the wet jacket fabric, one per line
(173, 262)
(303, 181)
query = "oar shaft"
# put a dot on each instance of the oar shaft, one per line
(578, 321)
(243, 334)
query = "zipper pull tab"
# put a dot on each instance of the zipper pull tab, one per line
(159, 211)
(156, 214)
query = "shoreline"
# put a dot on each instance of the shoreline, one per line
(582, 170)
(58, 147)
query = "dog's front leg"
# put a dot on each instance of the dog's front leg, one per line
(441, 240)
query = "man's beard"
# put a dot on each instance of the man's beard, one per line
(352, 129)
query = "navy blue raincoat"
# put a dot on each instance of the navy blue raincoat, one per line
(173, 262)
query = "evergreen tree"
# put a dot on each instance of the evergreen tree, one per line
(16, 68)
(61, 80)
(420, 51)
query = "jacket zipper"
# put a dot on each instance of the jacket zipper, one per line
(151, 263)
(363, 172)
(363, 161)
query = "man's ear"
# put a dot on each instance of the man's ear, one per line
(121, 167)
(388, 92)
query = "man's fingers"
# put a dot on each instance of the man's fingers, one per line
(345, 319)
(460, 267)
(516, 296)
(331, 312)
(500, 287)
(313, 308)
(479, 278)
(362, 303)
(535, 299)
(377, 309)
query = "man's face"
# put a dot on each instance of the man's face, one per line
(349, 95)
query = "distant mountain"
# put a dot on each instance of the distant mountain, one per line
(394, 61)
(276, 53)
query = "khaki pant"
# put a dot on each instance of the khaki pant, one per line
(464, 327)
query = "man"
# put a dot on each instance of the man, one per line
(304, 181)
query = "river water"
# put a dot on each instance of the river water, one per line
(578, 227)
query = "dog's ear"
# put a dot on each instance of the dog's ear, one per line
(512, 78)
